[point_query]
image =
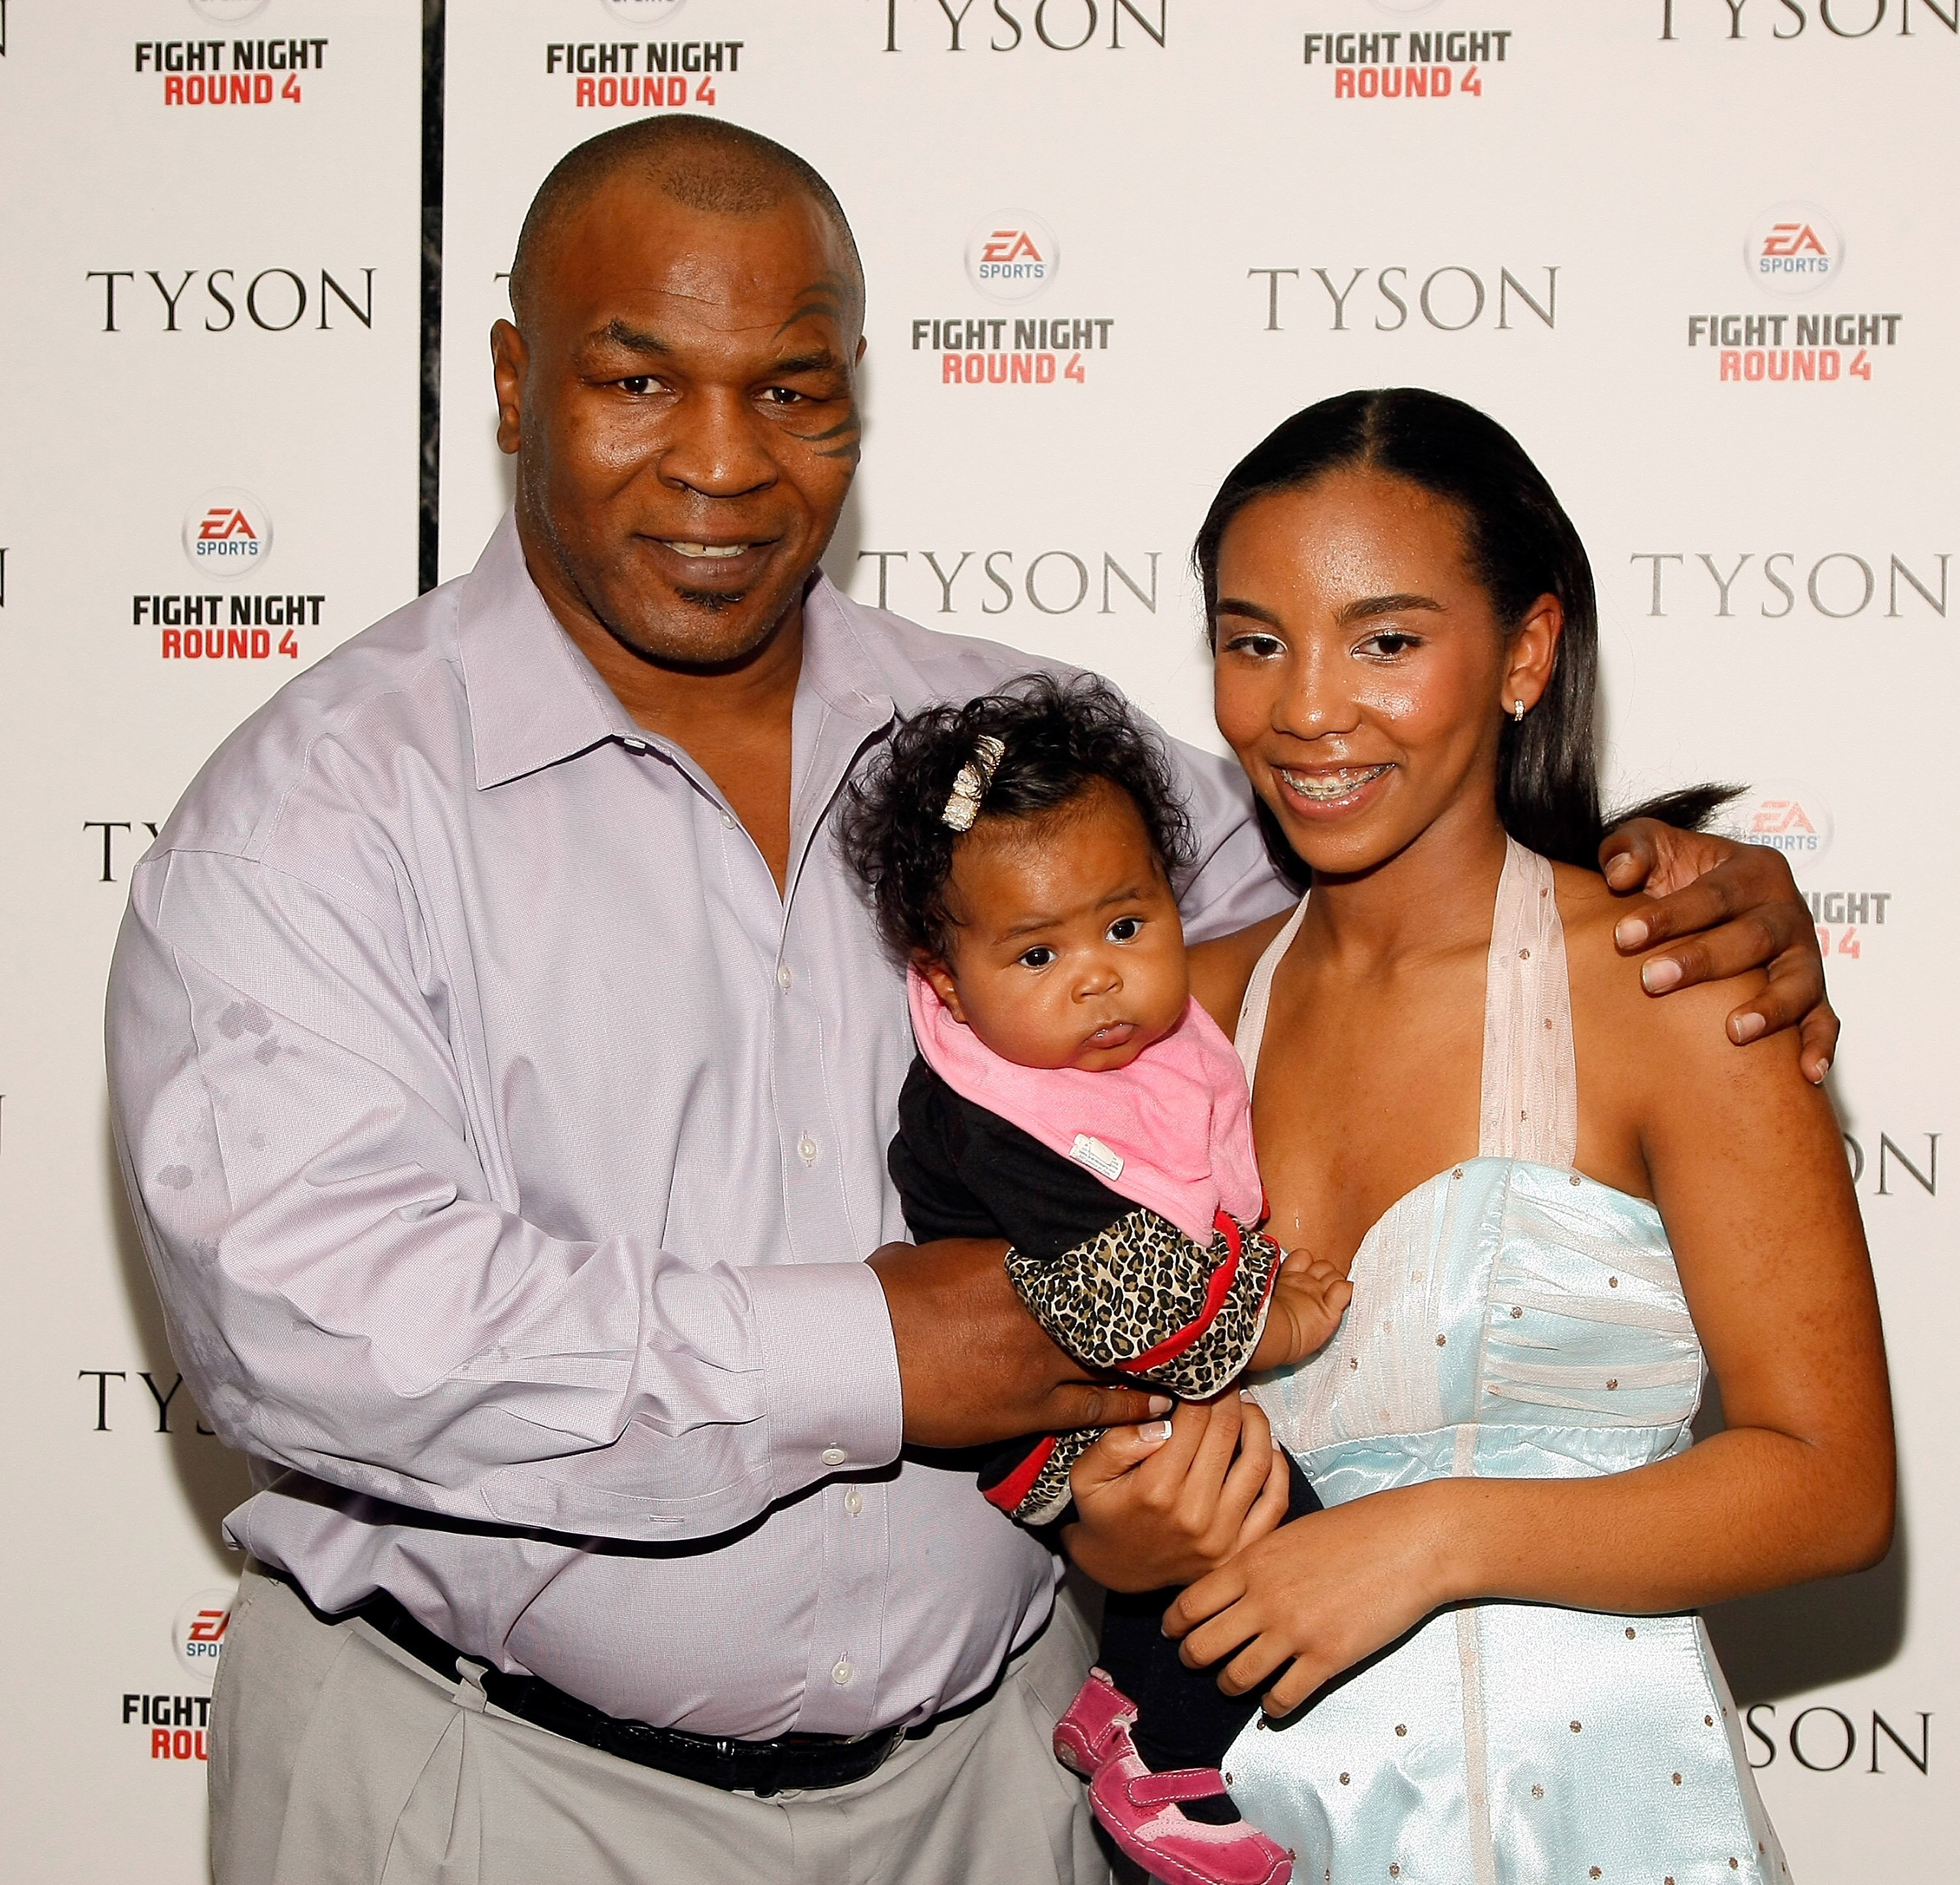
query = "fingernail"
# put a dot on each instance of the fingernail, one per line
(1744, 1028)
(1154, 1431)
(1658, 977)
(1245, 1393)
(1160, 1403)
(1620, 869)
(1631, 933)
(1817, 1078)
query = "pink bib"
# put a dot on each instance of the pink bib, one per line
(1172, 1130)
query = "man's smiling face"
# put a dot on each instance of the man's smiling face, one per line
(682, 400)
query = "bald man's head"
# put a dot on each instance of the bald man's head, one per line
(703, 164)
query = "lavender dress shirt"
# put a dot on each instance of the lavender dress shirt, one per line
(506, 1150)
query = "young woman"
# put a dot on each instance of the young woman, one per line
(1558, 1202)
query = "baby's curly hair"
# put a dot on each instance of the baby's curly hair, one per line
(1059, 737)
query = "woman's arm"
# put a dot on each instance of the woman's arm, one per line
(1749, 1172)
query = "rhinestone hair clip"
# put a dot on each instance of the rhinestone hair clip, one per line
(963, 807)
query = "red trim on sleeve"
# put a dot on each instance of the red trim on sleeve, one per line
(1218, 1289)
(1021, 1482)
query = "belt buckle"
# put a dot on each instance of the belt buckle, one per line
(768, 1782)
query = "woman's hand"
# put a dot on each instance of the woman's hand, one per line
(1165, 1503)
(1739, 909)
(1320, 1593)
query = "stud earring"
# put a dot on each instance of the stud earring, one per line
(1517, 710)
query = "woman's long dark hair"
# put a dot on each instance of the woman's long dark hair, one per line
(1521, 544)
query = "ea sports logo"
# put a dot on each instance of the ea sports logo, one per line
(227, 12)
(1787, 817)
(646, 14)
(1013, 256)
(227, 534)
(203, 1620)
(1794, 248)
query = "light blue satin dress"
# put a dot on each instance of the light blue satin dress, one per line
(1511, 1319)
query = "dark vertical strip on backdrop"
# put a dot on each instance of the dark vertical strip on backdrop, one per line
(430, 431)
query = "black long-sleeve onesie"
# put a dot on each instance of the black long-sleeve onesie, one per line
(1116, 1286)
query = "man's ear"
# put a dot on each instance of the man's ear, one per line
(509, 358)
(944, 986)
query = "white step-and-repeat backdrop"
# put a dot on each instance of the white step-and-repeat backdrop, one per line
(1697, 253)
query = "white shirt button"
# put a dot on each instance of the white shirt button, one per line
(634, 746)
(807, 1149)
(728, 821)
(784, 978)
(841, 1672)
(833, 1456)
(854, 1502)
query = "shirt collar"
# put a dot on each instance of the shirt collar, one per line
(534, 700)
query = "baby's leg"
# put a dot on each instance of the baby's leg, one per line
(1184, 1719)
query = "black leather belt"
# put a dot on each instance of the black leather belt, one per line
(791, 1762)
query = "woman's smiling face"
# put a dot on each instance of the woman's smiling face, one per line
(1361, 675)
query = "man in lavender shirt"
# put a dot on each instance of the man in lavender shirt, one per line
(502, 1067)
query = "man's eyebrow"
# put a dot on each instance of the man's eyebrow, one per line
(823, 361)
(616, 333)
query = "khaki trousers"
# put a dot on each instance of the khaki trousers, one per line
(337, 1759)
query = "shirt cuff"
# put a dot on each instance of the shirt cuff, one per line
(830, 1371)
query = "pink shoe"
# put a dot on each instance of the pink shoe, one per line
(1139, 1810)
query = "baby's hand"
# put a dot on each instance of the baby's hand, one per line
(1309, 1299)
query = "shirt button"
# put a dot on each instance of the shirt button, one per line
(784, 978)
(854, 1502)
(833, 1456)
(807, 1149)
(841, 1672)
(634, 746)
(728, 821)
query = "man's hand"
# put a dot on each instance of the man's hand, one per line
(974, 1366)
(1740, 908)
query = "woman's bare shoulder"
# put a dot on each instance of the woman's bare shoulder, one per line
(1219, 970)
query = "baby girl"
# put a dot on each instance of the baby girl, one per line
(1070, 1096)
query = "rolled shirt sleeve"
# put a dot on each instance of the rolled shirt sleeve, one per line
(351, 1290)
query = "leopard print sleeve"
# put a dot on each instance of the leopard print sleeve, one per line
(1143, 1299)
